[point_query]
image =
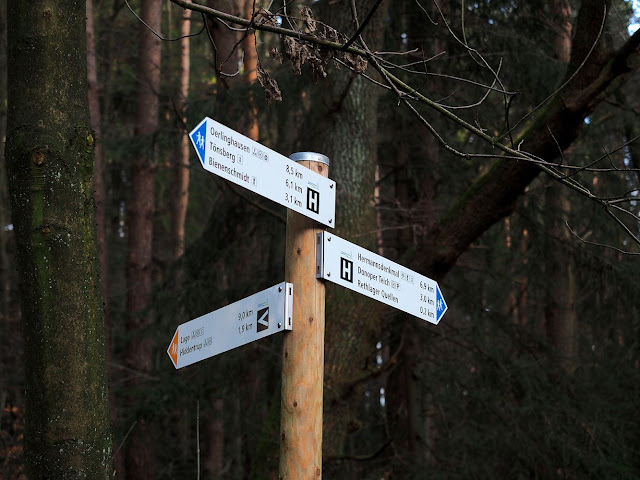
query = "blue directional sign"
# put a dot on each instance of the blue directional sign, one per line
(238, 159)
(374, 276)
(198, 138)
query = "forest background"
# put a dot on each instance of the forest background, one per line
(490, 145)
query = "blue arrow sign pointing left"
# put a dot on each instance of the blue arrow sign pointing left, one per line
(245, 162)
(198, 138)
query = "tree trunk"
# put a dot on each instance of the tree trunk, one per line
(561, 318)
(5, 268)
(343, 127)
(50, 151)
(98, 177)
(492, 196)
(225, 41)
(412, 427)
(213, 461)
(140, 462)
(100, 193)
(181, 176)
(250, 63)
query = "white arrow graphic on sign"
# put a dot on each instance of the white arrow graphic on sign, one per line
(245, 321)
(247, 163)
(374, 276)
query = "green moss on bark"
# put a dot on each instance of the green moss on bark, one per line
(50, 163)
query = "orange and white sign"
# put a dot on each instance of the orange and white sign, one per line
(252, 318)
(173, 349)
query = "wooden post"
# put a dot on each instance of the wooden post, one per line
(303, 347)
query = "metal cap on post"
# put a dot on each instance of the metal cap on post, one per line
(303, 347)
(309, 156)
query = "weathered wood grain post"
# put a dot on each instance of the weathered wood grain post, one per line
(303, 347)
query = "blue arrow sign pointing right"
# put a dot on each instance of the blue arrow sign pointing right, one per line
(441, 305)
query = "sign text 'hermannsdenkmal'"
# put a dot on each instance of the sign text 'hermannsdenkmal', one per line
(252, 318)
(365, 272)
(247, 163)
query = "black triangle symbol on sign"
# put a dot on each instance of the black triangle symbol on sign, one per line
(263, 319)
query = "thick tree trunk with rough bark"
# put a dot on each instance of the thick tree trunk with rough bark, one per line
(343, 127)
(50, 151)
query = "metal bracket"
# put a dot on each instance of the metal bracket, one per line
(320, 255)
(288, 306)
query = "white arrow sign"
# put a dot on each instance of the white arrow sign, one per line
(252, 318)
(365, 272)
(240, 160)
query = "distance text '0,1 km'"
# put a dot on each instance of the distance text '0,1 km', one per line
(374, 276)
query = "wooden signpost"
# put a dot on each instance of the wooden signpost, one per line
(303, 350)
(297, 305)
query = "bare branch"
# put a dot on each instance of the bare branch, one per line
(363, 25)
(573, 75)
(408, 95)
(479, 102)
(164, 39)
(601, 245)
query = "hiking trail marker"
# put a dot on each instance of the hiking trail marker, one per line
(252, 318)
(305, 190)
(247, 163)
(365, 272)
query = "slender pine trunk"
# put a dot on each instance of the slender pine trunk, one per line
(140, 456)
(5, 269)
(561, 317)
(181, 174)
